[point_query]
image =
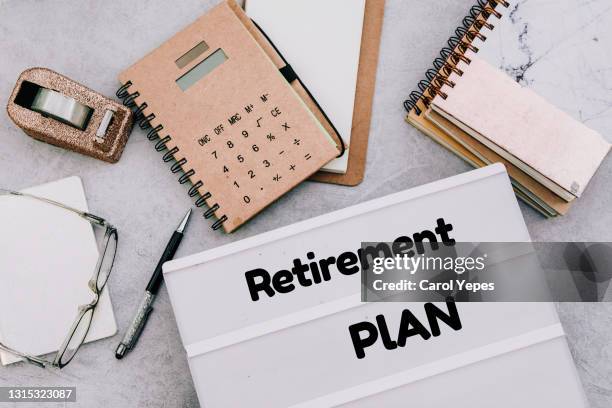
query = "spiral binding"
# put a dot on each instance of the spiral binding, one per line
(153, 134)
(450, 56)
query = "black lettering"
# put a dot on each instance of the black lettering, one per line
(359, 343)
(402, 246)
(263, 285)
(324, 266)
(234, 118)
(384, 333)
(314, 269)
(299, 270)
(442, 230)
(316, 276)
(420, 236)
(347, 263)
(434, 313)
(282, 281)
(410, 326)
(381, 250)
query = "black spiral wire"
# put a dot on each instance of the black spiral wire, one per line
(153, 134)
(453, 53)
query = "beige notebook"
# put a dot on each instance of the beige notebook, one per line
(519, 125)
(546, 201)
(229, 113)
(484, 116)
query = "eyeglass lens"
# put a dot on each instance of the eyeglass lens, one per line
(81, 328)
(78, 336)
(107, 259)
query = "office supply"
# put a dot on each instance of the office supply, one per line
(544, 200)
(146, 305)
(306, 36)
(55, 109)
(560, 49)
(230, 113)
(277, 322)
(550, 156)
(544, 142)
(47, 256)
(359, 125)
(364, 95)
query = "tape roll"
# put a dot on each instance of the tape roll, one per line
(60, 107)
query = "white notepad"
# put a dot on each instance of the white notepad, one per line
(294, 349)
(321, 39)
(47, 256)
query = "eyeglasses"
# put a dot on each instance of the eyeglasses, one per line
(80, 327)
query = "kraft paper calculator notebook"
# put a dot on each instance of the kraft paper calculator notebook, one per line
(229, 114)
(472, 103)
(292, 347)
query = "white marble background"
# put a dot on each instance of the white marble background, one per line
(560, 49)
(92, 41)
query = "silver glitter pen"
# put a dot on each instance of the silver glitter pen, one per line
(145, 308)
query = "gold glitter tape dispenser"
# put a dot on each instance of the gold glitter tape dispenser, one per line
(54, 109)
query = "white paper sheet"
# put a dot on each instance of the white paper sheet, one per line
(47, 256)
(321, 39)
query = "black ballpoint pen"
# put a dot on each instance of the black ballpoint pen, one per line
(145, 308)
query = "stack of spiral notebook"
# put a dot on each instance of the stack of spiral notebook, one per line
(484, 116)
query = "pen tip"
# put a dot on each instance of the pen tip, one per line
(120, 352)
(184, 222)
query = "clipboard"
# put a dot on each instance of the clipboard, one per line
(364, 94)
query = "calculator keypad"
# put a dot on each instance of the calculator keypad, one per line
(255, 149)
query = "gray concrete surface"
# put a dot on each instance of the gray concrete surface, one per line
(93, 41)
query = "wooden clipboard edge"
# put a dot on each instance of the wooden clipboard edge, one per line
(364, 95)
(278, 61)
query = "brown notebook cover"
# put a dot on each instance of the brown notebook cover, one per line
(364, 94)
(241, 133)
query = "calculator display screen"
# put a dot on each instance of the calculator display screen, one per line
(202, 69)
(191, 55)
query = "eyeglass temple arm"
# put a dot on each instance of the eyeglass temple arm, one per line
(89, 217)
(30, 359)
